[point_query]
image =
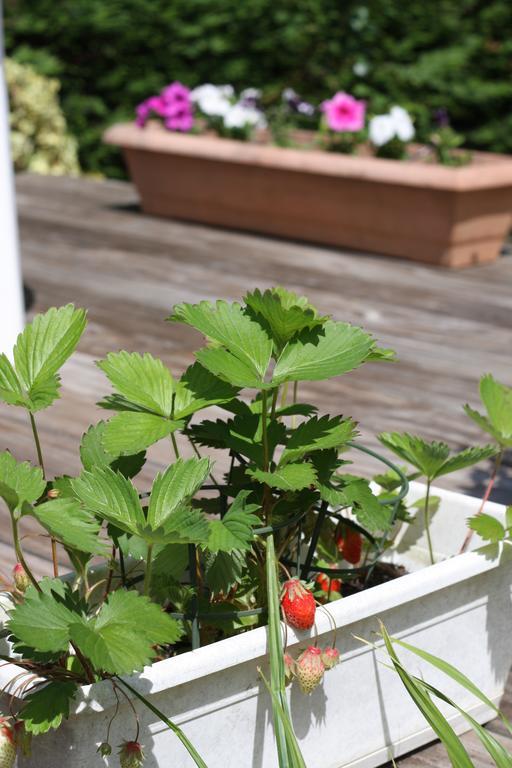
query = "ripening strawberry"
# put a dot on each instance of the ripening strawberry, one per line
(7, 745)
(350, 544)
(298, 604)
(325, 584)
(21, 580)
(330, 657)
(289, 668)
(309, 669)
(131, 754)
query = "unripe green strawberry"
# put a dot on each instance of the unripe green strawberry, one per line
(330, 657)
(298, 604)
(289, 668)
(104, 749)
(310, 669)
(7, 746)
(131, 754)
(21, 580)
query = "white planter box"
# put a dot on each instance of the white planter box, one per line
(459, 609)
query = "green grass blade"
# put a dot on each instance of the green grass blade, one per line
(459, 677)
(457, 753)
(194, 754)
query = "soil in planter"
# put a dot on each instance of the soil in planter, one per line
(382, 573)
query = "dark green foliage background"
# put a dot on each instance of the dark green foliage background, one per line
(423, 54)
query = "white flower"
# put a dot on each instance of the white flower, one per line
(250, 93)
(213, 100)
(404, 129)
(397, 124)
(241, 117)
(381, 130)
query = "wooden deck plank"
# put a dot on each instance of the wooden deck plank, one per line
(87, 242)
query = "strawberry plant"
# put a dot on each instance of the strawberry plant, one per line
(195, 557)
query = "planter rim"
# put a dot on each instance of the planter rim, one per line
(487, 172)
(236, 650)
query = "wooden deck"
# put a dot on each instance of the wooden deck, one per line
(87, 242)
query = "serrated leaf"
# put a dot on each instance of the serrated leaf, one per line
(11, 391)
(185, 525)
(371, 515)
(223, 570)
(174, 488)
(43, 393)
(487, 527)
(318, 434)
(42, 622)
(484, 423)
(497, 399)
(47, 707)
(75, 528)
(141, 379)
(234, 530)
(292, 477)
(319, 354)
(169, 565)
(43, 347)
(128, 433)
(466, 458)
(94, 454)
(248, 345)
(111, 496)
(19, 481)
(120, 639)
(282, 313)
(198, 388)
(243, 435)
(229, 368)
(508, 517)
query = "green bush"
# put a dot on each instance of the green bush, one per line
(110, 54)
(39, 138)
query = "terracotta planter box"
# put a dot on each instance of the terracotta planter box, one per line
(454, 217)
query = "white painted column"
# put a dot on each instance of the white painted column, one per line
(11, 287)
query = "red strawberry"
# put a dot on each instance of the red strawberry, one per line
(322, 581)
(298, 604)
(310, 669)
(330, 657)
(7, 745)
(131, 754)
(350, 544)
(21, 580)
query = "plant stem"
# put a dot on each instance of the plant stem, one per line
(41, 464)
(267, 494)
(174, 728)
(294, 400)
(149, 564)
(19, 553)
(485, 499)
(427, 523)
(284, 394)
(175, 445)
(274, 402)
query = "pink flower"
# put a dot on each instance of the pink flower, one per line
(175, 96)
(180, 121)
(143, 112)
(344, 113)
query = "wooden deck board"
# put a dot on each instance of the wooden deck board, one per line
(87, 242)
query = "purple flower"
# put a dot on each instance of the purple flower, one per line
(296, 104)
(441, 117)
(344, 113)
(176, 93)
(143, 111)
(182, 120)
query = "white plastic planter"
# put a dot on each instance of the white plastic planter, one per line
(459, 609)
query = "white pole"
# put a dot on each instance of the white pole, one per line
(11, 287)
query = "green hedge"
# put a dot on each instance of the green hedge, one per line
(423, 54)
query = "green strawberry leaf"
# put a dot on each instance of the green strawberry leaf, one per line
(11, 391)
(75, 528)
(19, 481)
(246, 343)
(141, 379)
(110, 496)
(487, 527)
(467, 458)
(93, 454)
(318, 354)
(235, 530)
(223, 570)
(282, 313)
(174, 488)
(198, 388)
(129, 433)
(121, 639)
(42, 348)
(47, 707)
(42, 622)
(292, 477)
(318, 434)
(365, 506)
